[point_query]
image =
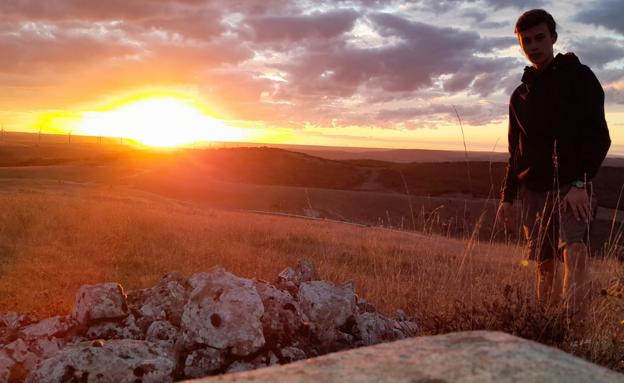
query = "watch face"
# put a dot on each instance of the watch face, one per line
(579, 184)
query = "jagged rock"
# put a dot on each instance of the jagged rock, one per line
(23, 359)
(205, 324)
(289, 279)
(239, 366)
(45, 347)
(17, 350)
(136, 298)
(405, 329)
(162, 332)
(282, 316)
(113, 361)
(8, 335)
(104, 301)
(54, 326)
(6, 364)
(14, 320)
(306, 271)
(264, 360)
(202, 362)
(400, 315)
(215, 311)
(363, 306)
(373, 328)
(165, 301)
(127, 329)
(327, 306)
(292, 354)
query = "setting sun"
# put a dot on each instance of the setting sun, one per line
(158, 121)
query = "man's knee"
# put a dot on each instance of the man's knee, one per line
(575, 248)
(575, 256)
(546, 267)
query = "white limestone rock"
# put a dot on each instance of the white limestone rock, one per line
(282, 316)
(114, 361)
(47, 347)
(203, 362)
(163, 333)
(373, 328)
(55, 326)
(405, 329)
(6, 364)
(290, 278)
(24, 359)
(165, 301)
(13, 320)
(327, 306)
(104, 301)
(223, 311)
(126, 329)
(292, 354)
(239, 366)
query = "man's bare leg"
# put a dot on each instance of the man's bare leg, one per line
(575, 284)
(548, 283)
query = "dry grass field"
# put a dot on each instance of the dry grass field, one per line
(86, 213)
(55, 237)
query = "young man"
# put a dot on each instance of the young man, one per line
(558, 138)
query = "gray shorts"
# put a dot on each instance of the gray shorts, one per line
(546, 227)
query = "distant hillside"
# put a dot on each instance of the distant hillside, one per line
(83, 161)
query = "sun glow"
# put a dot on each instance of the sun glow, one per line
(159, 121)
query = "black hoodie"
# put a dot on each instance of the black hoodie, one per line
(556, 127)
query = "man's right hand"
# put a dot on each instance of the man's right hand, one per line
(505, 214)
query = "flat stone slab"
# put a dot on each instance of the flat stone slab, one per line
(474, 356)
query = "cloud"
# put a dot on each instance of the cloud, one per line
(478, 114)
(519, 4)
(480, 18)
(330, 63)
(614, 92)
(422, 53)
(605, 13)
(43, 47)
(189, 18)
(443, 6)
(598, 51)
(295, 28)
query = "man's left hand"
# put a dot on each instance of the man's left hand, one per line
(579, 203)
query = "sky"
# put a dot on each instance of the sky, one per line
(362, 73)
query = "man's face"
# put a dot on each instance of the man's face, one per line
(537, 44)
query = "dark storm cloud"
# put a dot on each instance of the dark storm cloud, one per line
(606, 13)
(294, 28)
(423, 53)
(598, 52)
(442, 6)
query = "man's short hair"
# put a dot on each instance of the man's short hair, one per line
(534, 17)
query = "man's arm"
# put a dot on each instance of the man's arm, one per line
(510, 182)
(594, 134)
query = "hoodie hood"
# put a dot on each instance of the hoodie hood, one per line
(564, 62)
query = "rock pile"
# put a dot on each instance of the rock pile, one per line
(211, 323)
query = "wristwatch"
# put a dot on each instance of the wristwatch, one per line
(578, 184)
